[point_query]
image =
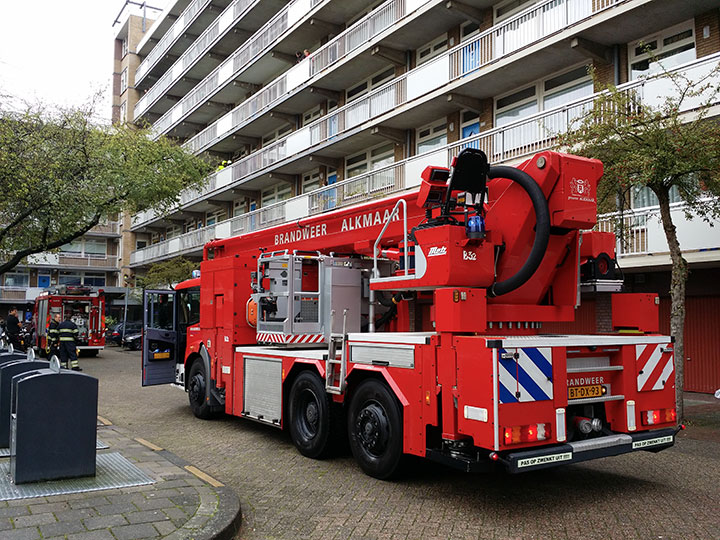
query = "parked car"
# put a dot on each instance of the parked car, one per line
(116, 334)
(133, 341)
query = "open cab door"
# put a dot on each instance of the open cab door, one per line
(160, 337)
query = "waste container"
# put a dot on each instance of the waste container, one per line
(53, 425)
(8, 370)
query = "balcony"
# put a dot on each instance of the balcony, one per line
(109, 228)
(171, 42)
(356, 38)
(641, 239)
(191, 62)
(19, 295)
(506, 144)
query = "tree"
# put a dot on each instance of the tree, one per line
(168, 273)
(61, 174)
(670, 144)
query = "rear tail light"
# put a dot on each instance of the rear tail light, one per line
(526, 434)
(658, 416)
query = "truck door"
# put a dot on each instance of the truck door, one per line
(160, 340)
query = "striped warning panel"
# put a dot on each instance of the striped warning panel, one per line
(525, 374)
(655, 366)
(279, 337)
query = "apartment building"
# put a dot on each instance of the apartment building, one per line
(320, 104)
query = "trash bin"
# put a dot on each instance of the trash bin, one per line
(53, 425)
(8, 369)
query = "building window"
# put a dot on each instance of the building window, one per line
(94, 279)
(17, 279)
(211, 218)
(123, 112)
(124, 47)
(432, 136)
(123, 80)
(74, 247)
(469, 30)
(172, 232)
(276, 134)
(95, 247)
(239, 207)
(69, 278)
(311, 181)
(311, 115)
(371, 159)
(140, 244)
(431, 50)
(275, 194)
(643, 197)
(370, 83)
(666, 50)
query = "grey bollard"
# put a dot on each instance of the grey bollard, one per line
(8, 370)
(53, 425)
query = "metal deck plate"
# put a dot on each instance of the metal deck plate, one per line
(113, 471)
(99, 445)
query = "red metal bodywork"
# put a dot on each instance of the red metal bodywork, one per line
(452, 390)
(91, 304)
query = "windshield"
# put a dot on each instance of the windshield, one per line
(190, 306)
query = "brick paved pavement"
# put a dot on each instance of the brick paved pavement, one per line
(178, 506)
(673, 494)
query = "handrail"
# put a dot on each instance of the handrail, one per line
(376, 272)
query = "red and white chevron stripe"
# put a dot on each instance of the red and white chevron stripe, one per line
(654, 367)
(278, 337)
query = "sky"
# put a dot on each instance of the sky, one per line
(59, 52)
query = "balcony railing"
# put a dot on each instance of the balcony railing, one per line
(226, 20)
(501, 40)
(354, 37)
(506, 143)
(18, 294)
(90, 261)
(109, 227)
(257, 45)
(502, 145)
(175, 31)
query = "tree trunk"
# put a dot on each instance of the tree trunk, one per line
(677, 299)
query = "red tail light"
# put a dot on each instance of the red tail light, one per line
(525, 434)
(658, 416)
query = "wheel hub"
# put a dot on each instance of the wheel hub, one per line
(311, 414)
(372, 428)
(197, 389)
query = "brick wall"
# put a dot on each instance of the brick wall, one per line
(711, 44)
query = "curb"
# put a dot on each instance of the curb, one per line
(222, 524)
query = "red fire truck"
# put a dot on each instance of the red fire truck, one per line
(87, 310)
(413, 325)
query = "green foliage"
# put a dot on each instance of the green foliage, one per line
(61, 174)
(658, 145)
(168, 273)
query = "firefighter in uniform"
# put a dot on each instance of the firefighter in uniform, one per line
(67, 334)
(53, 336)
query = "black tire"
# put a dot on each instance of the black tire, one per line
(375, 429)
(310, 416)
(196, 392)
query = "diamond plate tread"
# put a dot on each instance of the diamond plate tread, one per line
(113, 471)
(99, 445)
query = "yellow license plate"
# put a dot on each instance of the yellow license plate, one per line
(161, 355)
(581, 392)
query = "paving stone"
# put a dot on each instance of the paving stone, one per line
(74, 515)
(146, 517)
(61, 527)
(28, 533)
(102, 534)
(14, 511)
(48, 507)
(104, 522)
(154, 504)
(135, 532)
(119, 508)
(164, 527)
(35, 519)
(89, 502)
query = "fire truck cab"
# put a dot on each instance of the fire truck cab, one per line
(413, 325)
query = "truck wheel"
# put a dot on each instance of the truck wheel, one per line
(375, 429)
(310, 416)
(196, 392)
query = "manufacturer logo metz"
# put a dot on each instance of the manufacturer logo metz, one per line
(436, 251)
